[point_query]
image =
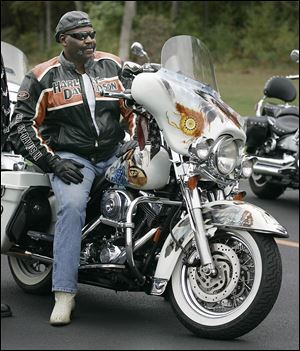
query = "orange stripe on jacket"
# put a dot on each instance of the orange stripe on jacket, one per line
(40, 70)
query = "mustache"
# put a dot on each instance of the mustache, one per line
(88, 47)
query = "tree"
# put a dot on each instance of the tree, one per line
(128, 15)
(174, 10)
(78, 5)
(48, 24)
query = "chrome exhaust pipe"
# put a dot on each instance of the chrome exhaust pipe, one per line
(266, 170)
(273, 167)
(273, 162)
(16, 252)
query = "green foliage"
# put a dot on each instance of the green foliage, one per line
(268, 38)
(107, 19)
(160, 29)
(247, 33)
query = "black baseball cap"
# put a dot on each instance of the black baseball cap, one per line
(71, 20)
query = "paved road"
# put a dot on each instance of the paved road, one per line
(105, 320)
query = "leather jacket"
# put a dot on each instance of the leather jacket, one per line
(5, 105)
(52, 112)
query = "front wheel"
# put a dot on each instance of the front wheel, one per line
(239, 297)
(31, 275)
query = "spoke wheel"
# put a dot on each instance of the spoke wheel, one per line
(239, 297)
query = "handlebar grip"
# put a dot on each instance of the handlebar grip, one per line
(130, 68)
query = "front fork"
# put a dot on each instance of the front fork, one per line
(194, 207)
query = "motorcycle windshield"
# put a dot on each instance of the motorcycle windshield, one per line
(188, 56)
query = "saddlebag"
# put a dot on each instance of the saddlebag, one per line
(256, 132)
(24, 205)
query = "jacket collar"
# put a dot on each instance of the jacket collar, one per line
(71, 66)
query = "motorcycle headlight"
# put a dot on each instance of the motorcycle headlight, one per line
(247, 166)
(226, 154)
(201, 148)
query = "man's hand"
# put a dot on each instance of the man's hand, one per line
(67, 170)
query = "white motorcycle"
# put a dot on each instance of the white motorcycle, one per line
(168, 219)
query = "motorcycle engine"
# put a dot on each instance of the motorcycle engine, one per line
(107, 246)
(114, 204)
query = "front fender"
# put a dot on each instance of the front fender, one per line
(242, 215)
(220, 214)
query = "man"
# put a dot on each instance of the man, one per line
(5, 112)
(63, 124)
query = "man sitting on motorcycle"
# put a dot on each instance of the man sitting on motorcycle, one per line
(63, 125)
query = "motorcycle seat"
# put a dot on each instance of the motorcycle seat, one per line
(285, 125)
(280, 88)
(288, 111)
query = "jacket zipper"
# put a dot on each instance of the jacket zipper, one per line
(87, 110)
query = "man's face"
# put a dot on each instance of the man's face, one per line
(79, 44)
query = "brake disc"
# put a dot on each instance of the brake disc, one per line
(217, 288)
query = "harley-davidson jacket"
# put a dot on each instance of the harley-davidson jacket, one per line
(52, 112)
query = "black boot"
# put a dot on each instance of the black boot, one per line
(5, 310)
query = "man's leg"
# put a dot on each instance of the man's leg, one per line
(72, 200)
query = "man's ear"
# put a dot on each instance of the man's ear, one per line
(62, 39)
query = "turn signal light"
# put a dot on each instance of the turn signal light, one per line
(240, 196)
(192, 182)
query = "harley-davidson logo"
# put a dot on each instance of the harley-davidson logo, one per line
(23, 95)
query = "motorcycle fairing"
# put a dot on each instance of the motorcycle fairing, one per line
(237, 215)
(185, 109)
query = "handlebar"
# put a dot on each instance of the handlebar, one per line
(129, 70)
(293, 76)
(126, 95)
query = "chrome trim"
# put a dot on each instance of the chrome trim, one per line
(259, 106)
(270, 166)
(17, 252)
(199, 230)
(140, 242)
(128, 236)
(158, 286)
(129, 225)
(288, 159)
(271, 171)
(110, 222)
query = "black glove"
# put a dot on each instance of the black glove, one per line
(131, 144)
(67, 170)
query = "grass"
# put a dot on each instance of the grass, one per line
(241, 89)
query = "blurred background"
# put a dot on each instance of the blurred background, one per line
(249, 40)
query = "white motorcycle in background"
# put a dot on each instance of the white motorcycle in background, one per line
(168, 219)
(16, 66)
